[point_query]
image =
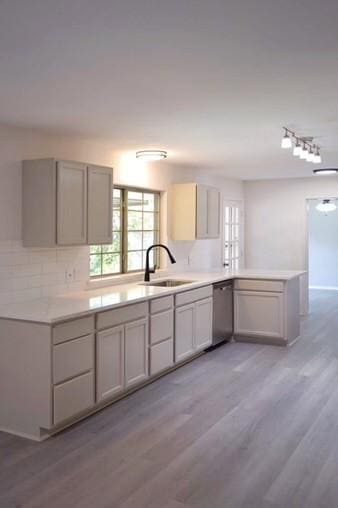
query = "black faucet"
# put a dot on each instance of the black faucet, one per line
(148, 270)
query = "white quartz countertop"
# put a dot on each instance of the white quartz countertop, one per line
(60, 308)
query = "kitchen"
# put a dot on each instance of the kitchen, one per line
(116, 385)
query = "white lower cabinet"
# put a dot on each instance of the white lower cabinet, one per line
(109, 362)
(161, 340)
(136, 352)
(184, 331)
(74, 396)
(121, 358)
(203, 323)
(193, 328)
(161, 356)
(259, 314)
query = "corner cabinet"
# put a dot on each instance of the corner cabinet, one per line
(266, 311)
(66, 203)
(195, 212)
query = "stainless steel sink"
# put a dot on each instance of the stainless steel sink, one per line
(168, 283)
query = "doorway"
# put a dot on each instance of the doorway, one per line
(323, 243)
(232, 234)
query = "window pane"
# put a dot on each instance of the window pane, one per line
(148, 239)
(116, 220)
(227, 214)
(134, 221)
(149, 221)
(95, 265)
(116, 199)
(95, 249)
(135, 200)
(149, 202)
(110, 263)
(135, 260)
(134, 240)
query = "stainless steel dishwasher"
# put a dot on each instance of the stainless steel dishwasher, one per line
(222, 326)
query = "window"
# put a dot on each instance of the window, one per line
(135, 227)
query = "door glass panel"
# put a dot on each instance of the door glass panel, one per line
(231, 236)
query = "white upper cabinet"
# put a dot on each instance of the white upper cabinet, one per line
(195, 212)
(71, 203)
(100, 187)
(65, 203)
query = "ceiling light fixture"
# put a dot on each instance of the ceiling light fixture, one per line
(151, 155)
(317, 157)
(303, 152)
(326, 206)
(303, 146)
(297, 148)
(325, 171)
(310, 155)
(286, 141)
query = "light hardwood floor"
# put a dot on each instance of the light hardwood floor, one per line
(243, 426)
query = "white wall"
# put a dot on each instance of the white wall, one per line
(323, 247)
(31, 273)
(276, 234)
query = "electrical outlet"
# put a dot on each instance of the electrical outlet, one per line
(70, 274)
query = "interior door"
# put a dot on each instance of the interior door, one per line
(232, 237)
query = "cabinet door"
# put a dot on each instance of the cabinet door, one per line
(201, 211)
(259, 314)
(207, 212)
(136, 352)
(161, 326)
(71, 203)
(213, 213)
(100, 185)
(203, 324)
(109, 362)
(184, 331)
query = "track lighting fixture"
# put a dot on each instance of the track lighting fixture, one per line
(302, 148)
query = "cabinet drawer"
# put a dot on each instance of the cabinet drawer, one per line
(193, 295)
(73, 329)
(259, 285)
(74, 396)
(73, 358)
(161, 326)
(121, 315)
(161, 304)
(161, 356)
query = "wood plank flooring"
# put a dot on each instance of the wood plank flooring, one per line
(243, 426)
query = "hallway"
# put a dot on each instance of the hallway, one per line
(243, 426)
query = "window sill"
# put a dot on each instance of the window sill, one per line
(125, 278)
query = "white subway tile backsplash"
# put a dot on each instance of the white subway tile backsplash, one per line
(27, 274)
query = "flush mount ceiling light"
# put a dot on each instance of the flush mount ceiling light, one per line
(326, 171)
(151, 155)
(326, 206)
(303, 147)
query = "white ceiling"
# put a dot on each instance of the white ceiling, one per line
(211, 81)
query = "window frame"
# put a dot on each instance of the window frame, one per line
(124, 232)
